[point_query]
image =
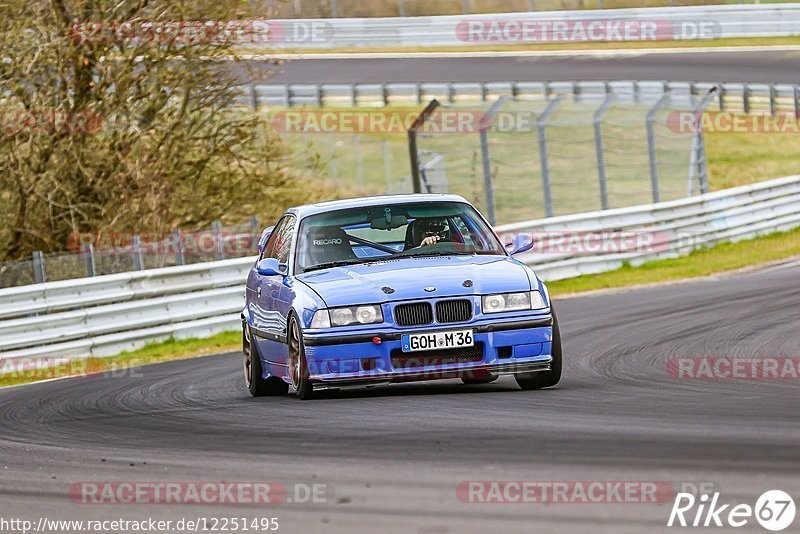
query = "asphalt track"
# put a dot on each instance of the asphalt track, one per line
(392, 458)
(708, 66)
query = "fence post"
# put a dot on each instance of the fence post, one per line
(401, 8)
(412, 143)
(88, 257)
(39, 275)
(698, 155)
(177, 238)
(722, 92)
(288, 96)
(531, 5)
(488, 185)
(136, 251)
(542, 131)
(216, 228)
(598, 145)
(651, 145)
(334, 9)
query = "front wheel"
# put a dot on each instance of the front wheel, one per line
(545, 379)
(254, 379)
(298, 365)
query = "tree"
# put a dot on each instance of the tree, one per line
(122, 116)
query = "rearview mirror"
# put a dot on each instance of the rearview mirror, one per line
(395, 221)
(520, 243)
(271, 267)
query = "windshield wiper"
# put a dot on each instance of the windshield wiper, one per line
(429, 254)
(327, 265)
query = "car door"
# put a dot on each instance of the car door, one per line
(273, 297)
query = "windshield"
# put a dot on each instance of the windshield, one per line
(380, 232)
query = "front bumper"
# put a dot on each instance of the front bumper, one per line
(518, 345)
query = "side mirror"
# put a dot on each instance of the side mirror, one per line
(271, 267)
(521, 243)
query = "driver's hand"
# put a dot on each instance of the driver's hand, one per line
(428, 241)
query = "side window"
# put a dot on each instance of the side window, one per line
(269, 248)
(284, 242)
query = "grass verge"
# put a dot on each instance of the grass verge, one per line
(704, 262)
(169, 350)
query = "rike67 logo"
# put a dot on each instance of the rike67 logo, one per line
(774, 510)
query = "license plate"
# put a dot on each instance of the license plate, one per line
(437, 340)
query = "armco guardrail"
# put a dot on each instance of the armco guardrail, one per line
(638, 24)
(107, 314)
(744, 97)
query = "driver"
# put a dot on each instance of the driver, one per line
(432, 231)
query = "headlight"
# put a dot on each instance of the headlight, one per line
(347, 316)
(506, 302)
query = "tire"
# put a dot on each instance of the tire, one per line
(298, 365)
(254, 373)
(545, 379)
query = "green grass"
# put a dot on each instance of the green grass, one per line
(704, 262)
(743, 158)
(168, 350)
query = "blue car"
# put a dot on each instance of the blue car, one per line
(371, 291)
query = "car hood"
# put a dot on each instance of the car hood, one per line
(409, 277)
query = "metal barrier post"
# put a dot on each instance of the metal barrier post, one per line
(136, 251)
(598, 146)
(39, 275)
(88, 256)
(651, 145)
(254, 97)
(177, 239)
(216, 228)
(542, 131)
(796, 95)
